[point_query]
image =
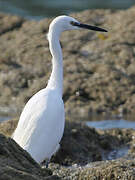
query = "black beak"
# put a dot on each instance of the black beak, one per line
(85, 26)
(94, 28)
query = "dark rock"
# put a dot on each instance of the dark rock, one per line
(112, 170)
(15, 163)
(83, 153)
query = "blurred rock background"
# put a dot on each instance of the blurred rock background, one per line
(99, 68)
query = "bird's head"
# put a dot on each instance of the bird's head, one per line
(64, 23)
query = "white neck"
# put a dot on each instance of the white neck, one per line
(56, 78)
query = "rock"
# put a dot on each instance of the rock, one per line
(100, 66)
(15, 163)
(9, 23)
(7, 127)
(79, 140)
(80, 144)
(85, 153)
(122, 169)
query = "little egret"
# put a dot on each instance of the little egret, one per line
(42, 121)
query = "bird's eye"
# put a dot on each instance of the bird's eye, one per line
(73, 23)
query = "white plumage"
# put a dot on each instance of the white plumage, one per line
(41, 123)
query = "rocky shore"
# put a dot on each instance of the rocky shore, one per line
(99, 68)
(85, 153)
(99, 78)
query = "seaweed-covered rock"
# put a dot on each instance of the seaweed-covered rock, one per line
(9, 23)
(85, 153)
(121, 169)
(15, 163)
(82, 144)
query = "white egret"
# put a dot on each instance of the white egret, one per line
(41, 123)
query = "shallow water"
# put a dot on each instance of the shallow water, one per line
(4, 118)
(34, 9)
(102, 124)
(108, 124)
(116, 153)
